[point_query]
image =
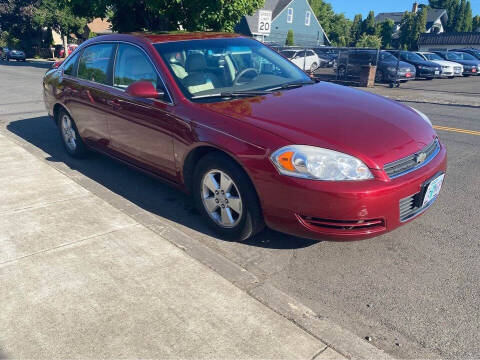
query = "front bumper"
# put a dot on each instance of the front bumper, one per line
(429, 73)
(342, 211)
(16, 57)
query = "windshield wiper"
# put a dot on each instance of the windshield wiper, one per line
(232, 94)
(291, 85)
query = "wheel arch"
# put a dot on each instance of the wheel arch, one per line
(194, 156)
(56, 109)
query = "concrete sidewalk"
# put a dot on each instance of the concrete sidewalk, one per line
(80, 279)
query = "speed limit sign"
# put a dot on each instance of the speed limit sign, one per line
(264, 21)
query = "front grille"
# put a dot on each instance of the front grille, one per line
(345, 225)
(410, 163)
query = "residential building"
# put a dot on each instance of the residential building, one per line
(295, 15)
(429, 42)
(436, 20)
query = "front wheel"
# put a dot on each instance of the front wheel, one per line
(225, 197)
(71, 139)
(313, 67)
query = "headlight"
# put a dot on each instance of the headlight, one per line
(420, 66)
(422, 115)
(391, 69)
(315, 163)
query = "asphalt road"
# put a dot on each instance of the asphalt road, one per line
(415, 291)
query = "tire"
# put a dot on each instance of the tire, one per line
(313, 67)
(379, 76)
(214, 198)
(72, 142)
(342, 72)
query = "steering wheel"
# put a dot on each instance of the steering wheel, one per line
(242, 73)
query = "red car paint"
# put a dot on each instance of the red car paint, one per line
(158, 138)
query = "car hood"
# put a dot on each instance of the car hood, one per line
(445, 63)
(370, 127)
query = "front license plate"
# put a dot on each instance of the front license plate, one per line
(437, 72)
(433, 189)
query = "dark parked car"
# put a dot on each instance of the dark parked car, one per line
(471, 65)
(424, 69)
(3, 53)
(389, 69)
(17, 55)
(474, 52)
(327, 56)
(248, 134)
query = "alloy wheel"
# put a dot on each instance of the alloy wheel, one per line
(68, 133)
(221, 198)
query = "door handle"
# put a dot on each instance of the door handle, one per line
(115, 104)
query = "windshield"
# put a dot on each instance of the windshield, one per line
(452, 56)
(465, 56)
(433, 57)
(289, 53)
(385, 56)
(413, 57)
(215, 66)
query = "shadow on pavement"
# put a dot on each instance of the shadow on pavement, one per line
(35, 64)
(144, 191)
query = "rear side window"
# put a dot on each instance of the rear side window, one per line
(94, 63)
(131, 65)
(69, 68)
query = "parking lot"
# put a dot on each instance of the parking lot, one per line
(413, 291)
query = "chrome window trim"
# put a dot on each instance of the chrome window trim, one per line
(427, 160)
(116, 42)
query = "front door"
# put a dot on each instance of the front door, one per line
(140, 129)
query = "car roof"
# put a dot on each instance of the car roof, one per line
(183, 36)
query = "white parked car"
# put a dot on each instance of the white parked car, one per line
(450, 69)
(305, 59)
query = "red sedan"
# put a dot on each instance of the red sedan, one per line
(248, 134)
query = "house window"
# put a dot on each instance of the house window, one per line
(290, 15)
(308, 14)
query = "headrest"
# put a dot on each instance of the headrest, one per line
(195, 62)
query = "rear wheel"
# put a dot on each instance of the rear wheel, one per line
(313, 67)
(71, 139)
(225, 197)
(379, 76)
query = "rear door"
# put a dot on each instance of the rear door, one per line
(88, 92)
(140, 129)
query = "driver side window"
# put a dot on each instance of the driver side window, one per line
(132, 65)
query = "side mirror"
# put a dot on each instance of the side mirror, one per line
(57, 64)
(144, 89)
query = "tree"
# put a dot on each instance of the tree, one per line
(289, 41)
(18, 25)
(340, 28)
(368, 26)
(324, 13)
(57, 16)
(386, 33)
(157, 15)
(356, 29)
(369, 41)
(476, 23)
(459, 25)
(468, 17)
(420, 27)
(407, 30)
